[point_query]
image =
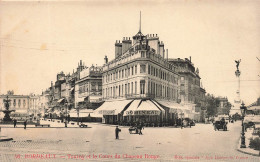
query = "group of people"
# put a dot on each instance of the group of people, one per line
(24, 123)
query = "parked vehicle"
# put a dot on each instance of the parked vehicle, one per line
(192, 122)
(220, 125)
(249, 125)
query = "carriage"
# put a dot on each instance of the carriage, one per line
(133, 130)
(220, 125)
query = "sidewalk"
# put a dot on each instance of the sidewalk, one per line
(248, 150)
(53, 124)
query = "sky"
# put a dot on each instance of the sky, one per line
(40, 39)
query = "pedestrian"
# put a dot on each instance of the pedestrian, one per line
(25, 123)
(140, 129)
(117, 130)
(68, 118)
(15, 122)
(182, 124)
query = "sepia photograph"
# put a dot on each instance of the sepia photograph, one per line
(121, 80)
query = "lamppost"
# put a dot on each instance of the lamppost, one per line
(182, 114)
(243, 112)
(78, 115)
(66, 115)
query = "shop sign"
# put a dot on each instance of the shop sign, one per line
(142, 112)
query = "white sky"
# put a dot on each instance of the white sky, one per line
(40, 39)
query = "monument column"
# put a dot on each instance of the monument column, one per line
(237, 101)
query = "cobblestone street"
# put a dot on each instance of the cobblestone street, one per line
(173, 144)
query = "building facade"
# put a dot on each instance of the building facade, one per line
(88, 89)
(191, 92)
(21, 104)
(224, 106)
(138, 82)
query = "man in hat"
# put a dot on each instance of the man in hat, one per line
(117, 130)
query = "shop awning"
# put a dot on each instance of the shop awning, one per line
(252, 118)
(143, 107)
(82, 113)
(96, 115)
(132, 107)
(173, 106)
(112, 107)
(159, 107)
(254, 108)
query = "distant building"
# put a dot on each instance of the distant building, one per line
(224, 106)
(43, 102)
(57, 86)
(33, 105)
(88, 89)
(24, 105)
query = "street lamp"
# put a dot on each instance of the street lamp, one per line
(66, 115)
(182, 114)
(243, 112)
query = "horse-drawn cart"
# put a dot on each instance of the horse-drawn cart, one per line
(133, 130)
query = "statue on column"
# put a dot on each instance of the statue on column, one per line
(237, 62)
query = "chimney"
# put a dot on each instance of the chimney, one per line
(190, 59)
(118, 48)
(126, 44)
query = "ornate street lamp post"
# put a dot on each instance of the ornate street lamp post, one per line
(243, 112)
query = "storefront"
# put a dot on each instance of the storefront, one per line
(175, 111)
(145, 111)
(112, 111)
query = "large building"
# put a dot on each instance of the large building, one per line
(140, 84)
(23, 105)
(191, 93)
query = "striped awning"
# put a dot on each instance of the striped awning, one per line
(143, 107)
